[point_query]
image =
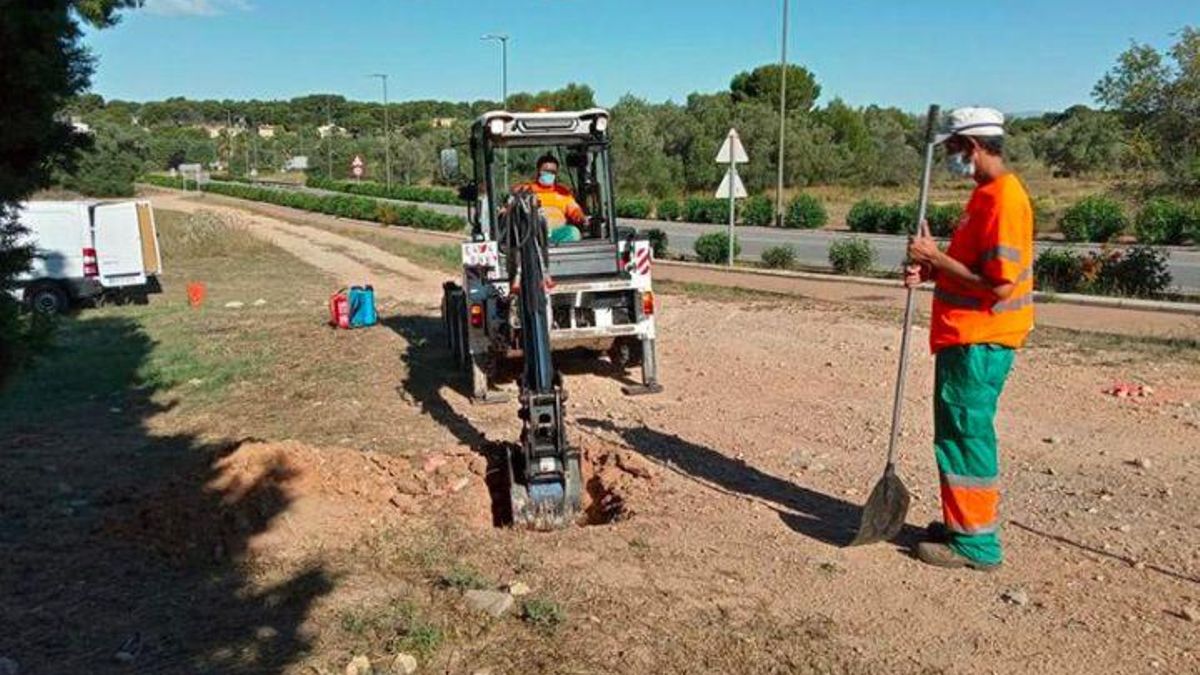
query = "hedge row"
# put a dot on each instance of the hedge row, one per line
(407, 193)
(1139, 271)
(345, 206)
(876, 217)
(1159, 221)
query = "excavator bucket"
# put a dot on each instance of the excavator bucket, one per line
(548, 504)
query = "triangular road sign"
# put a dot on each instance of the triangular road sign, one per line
(731, 150)
(739, 190)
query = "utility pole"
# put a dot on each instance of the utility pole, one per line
(782, 114)
(387, 135)
(502, 38)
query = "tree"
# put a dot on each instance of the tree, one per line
(763, 84)
(1157, 94)
(44, 66)
(1084, 141)
(115, 158)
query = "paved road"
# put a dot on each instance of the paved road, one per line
(812, 246)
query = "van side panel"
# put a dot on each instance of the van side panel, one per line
(58, 231)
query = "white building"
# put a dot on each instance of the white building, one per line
(327, 130)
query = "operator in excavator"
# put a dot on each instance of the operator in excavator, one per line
(563, 214)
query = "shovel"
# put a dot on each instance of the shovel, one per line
(886, 509)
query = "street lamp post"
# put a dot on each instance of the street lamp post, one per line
(502, 38)
(782, 114)
(387, 133)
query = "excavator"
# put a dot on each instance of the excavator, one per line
(524, 296)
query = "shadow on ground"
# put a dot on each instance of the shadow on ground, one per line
(808, 512)
(98, 576)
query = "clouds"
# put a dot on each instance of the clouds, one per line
(195, 7)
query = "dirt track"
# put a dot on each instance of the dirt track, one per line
(769, 434)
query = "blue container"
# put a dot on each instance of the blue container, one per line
(362, 306)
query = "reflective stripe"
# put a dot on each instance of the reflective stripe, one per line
(956, 299)
(1025, 275)
(1005, 252)
(1013, 305)
(968, 481)
(967, 529)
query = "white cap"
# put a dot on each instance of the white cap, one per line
(972, 122)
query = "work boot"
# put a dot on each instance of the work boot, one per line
(941, 555)
(936, 531)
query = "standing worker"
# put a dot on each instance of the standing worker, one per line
(982, 313)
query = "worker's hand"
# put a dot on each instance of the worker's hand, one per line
(923, 250)
(913, 276)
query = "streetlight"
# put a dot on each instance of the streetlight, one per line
(782, 114)
(502, 38)
(387, 134)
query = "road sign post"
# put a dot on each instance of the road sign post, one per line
(732, 153)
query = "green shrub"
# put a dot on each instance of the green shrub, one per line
(1094, 218)
(899, 219)
(757, 211)
(658, 242)
(779, 257)
(805, 212)
(1139, 271)
(668, 209)
(545, 615)
(943, 218)
(706, 210)
(852, 255)
(410, 193)
(634, 207)
(866, 215)
(1165, 221)
(1060, 270)
(714, 247)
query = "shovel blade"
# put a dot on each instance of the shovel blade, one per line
(885, 512)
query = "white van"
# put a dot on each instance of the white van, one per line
(86, 250)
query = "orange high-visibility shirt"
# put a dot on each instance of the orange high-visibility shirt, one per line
(995, 240)
(558, 204)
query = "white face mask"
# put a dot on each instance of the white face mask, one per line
(960, 166)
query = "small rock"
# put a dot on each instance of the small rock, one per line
(404, 664)
(359, 665)
(9, 666)
(519, 588)
(483, 671)
(406, 503)
(493, 603)
(1191, 614)
(1141, 463)
(1139, 565)
(433, 463)
(195, 382)
(1125, 529)
(1015, 596)
(235, 304)
(266, 633)
(1049, 471)
(1051, 440)
(478, 465)
(460, 484)
(259, 302)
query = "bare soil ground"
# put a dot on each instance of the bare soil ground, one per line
(328, 497)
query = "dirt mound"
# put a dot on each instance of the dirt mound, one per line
(614, 479)
(287, 499)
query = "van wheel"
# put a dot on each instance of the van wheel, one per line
(48, 299)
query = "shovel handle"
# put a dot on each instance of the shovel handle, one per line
(910, 301)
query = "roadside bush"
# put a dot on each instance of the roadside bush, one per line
(714, 247)
(1060, 270)
(409, 193)
(779, 257)
(757, 211)
(1139, 271)
(852, 255)
(706, 210)
(668, 209)
(658, 242)
(342, 205)
(1094, 218)
(634, 207)
(943, 218)
(866, 215)
(1165, 221)
(805, 212)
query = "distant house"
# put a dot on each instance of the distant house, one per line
(442, 122)
(327, 130)
(267, 130)
(213, 130)
(79, 126)
(296, 163)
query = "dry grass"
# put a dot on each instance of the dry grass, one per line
(205, 234)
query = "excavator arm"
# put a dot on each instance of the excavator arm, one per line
(544, 471)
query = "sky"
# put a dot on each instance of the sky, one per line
(1016, 55)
